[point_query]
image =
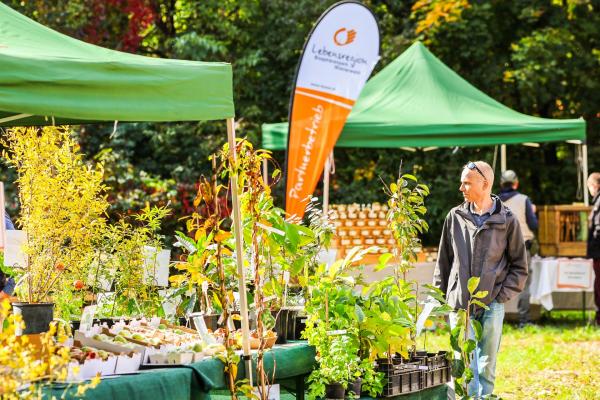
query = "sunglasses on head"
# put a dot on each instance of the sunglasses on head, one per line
(471, 165)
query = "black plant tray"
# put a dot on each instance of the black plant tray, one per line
(423, 370)
(406, 379)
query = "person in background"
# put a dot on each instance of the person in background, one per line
(593, 244)
(481, 238)
(7, 284)
(524, 210)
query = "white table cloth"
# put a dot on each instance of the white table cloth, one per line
(545, 279)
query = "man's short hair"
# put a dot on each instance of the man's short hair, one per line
(594, 178)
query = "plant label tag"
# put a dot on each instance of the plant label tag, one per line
(338, 332)
(273, 392)
(269, 298)
(286, 277)
(425, 314)
(200, 325)
(423, 367)
(14, 257)
(186, 244)
(271, 229)
(87, 318)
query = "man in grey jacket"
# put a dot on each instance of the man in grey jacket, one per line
(481, 237)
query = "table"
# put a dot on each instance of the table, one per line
(544, 278)
(205, 380)
(291, 362)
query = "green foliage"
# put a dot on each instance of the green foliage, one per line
(338, 320)
(464, 338)
(121, 260)
(406, 210)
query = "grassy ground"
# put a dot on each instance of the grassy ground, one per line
(558, 358)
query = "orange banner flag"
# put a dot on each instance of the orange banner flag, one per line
(337, 60)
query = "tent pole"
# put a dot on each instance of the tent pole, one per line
(326, 171)
(584, 154)
(239, 252)
(503, 158)
(265, 171)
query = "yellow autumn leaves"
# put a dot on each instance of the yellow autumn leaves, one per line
(25, 366)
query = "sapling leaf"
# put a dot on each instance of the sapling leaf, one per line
(480, 304)
(383, 260)
(468, 375)
(473, 283)
(268, 320)
(469, 346)
(458, 367)
(360, 315)
(456, 337)
(480, 294)
(436, 295)
(477, 329)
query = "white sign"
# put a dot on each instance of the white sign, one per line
(13, 249)
(574, 274)
(156, 266)
(87, 318)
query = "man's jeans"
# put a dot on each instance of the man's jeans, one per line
(491, 321)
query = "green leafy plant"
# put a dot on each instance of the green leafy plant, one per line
(209, 271)
(276, 248)
(120, 260)
(464, 338)
(337, 312)
(406, 209)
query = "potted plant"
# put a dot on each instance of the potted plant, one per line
(338, 359)
(62, 208)
(207, 269)
(335, 313)
(121, 261)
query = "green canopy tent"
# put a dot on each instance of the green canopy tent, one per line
(49, 78)
(418, 101)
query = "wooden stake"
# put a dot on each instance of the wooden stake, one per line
(239, 252)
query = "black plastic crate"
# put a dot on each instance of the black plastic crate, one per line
(401, 378)
(435, 377)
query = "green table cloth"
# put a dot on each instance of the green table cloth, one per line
(172, 384)
(288, 361)
(195, 381)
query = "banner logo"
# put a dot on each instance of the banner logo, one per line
(342, 36)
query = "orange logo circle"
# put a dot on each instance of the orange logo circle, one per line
(343, 36)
